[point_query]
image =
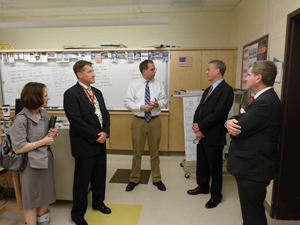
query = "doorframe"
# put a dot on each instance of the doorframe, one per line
(285, 203)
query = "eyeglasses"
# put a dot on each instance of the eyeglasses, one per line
(154, 69)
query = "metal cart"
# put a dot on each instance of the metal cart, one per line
(188, 169)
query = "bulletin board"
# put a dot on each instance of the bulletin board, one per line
(254, 51)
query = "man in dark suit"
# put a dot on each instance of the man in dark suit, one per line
(253, 153)
(209, 119)
(89, 127)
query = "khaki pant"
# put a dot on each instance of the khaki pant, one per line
(140, 129)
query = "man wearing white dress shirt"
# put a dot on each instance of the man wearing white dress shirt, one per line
(146, 122)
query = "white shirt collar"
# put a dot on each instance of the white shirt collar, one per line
(83, 85)
(144, 80)
(262, 91)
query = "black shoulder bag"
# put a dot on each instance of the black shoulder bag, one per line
(9, 159)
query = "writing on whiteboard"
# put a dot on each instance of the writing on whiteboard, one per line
(111, 78)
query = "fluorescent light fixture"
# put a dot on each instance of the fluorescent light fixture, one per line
(86, 22)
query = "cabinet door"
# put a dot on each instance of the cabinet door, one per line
(228, 57)
(120, 132)
(186, 78)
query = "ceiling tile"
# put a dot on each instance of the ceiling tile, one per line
(48, 5)
(217, 9)
(218, 3)
(17, 8)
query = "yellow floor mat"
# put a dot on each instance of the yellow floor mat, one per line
(121, 214)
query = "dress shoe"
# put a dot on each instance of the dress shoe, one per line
(197, 191)
(212, 203)
(131, 186)
(80, 221)
(160, 185)
(104, 209)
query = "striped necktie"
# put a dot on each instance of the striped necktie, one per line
(96, 105)
(147, 101)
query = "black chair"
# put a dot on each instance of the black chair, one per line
(18, 106)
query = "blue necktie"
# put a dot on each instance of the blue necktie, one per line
(147, 101)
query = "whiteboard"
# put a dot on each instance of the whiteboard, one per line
(112, 78)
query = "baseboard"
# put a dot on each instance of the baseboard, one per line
(129, 152)
(267, 207)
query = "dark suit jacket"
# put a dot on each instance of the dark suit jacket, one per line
(253, 154)
(214, 114)
(84, 124)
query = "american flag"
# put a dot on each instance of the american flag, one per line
(186, 61)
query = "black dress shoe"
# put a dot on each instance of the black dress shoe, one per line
(131, 186)
(212, 203)
(104, 209)
(160, 185)
(79, 221)
(197, 191)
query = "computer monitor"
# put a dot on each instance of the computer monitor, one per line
(18, 106)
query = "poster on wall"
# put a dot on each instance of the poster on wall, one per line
(254, 51)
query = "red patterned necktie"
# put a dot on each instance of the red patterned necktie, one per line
(95, 104)
(211, 87)
(252, 99)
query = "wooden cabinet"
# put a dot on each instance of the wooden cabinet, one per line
(186, 78)
(120, 131)
(228, 57)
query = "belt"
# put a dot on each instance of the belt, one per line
(140, 117)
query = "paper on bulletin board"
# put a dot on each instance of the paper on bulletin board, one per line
(189, 107)
(279, 71)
